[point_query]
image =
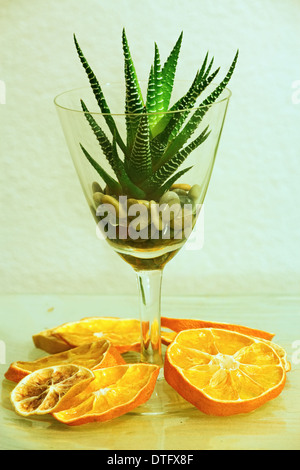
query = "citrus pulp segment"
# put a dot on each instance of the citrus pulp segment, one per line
(41, 391)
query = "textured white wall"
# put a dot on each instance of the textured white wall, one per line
(48, 239)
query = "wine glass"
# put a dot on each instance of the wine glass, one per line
(143, 232)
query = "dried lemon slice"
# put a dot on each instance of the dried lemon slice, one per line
(41, 391)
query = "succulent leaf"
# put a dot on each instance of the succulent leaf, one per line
(140, 162)
(157, 136)
(168, 168)
(134, 101)
(130, 64)
(100, 135)
(161, 81)
(108, 149)
(111, 154)
(203, 66)
(114, 186)
(155, 101)
(168, 73)
(198, 115)
(205, 74)
(187, 102)
(98, 93)
(126, 182)
(166, 186)
(176, 119)
(162, 124)
(150, 101)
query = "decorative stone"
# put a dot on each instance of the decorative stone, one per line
(168, 196)
(184, 187)
(195, 192)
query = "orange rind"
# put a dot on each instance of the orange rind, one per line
(179, 324)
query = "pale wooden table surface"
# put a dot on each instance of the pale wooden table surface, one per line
(276, 425)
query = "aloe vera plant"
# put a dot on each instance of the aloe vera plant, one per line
(159, 137)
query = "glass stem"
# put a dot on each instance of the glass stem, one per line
(149, 285)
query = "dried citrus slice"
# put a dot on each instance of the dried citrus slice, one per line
(41, 391)
(179, 324)
(92, 356)
(168, 336)
(124, 334)
(223, 372)
(114, 392)
(47, 341)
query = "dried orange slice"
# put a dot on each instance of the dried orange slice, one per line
(179, 324)
(223, 372)
(41, 391)
(92, 356)
(47, 341)
(167, 336)
(114, 392)
(124, 334)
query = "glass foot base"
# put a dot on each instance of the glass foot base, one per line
(164, 399)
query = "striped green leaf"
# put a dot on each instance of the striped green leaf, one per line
(168, 73)
(100, 135)
(187, 104)
(150, 101)
(176, 119)
(98, 93)
(155, 101)
(114, 186)
(127, 184)
(161, 81)
(133, 101)
(112, 156)
(198, 115)
(140, 163)
(168, 168)
(200, 83)
(156, 195)
(157, 136)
